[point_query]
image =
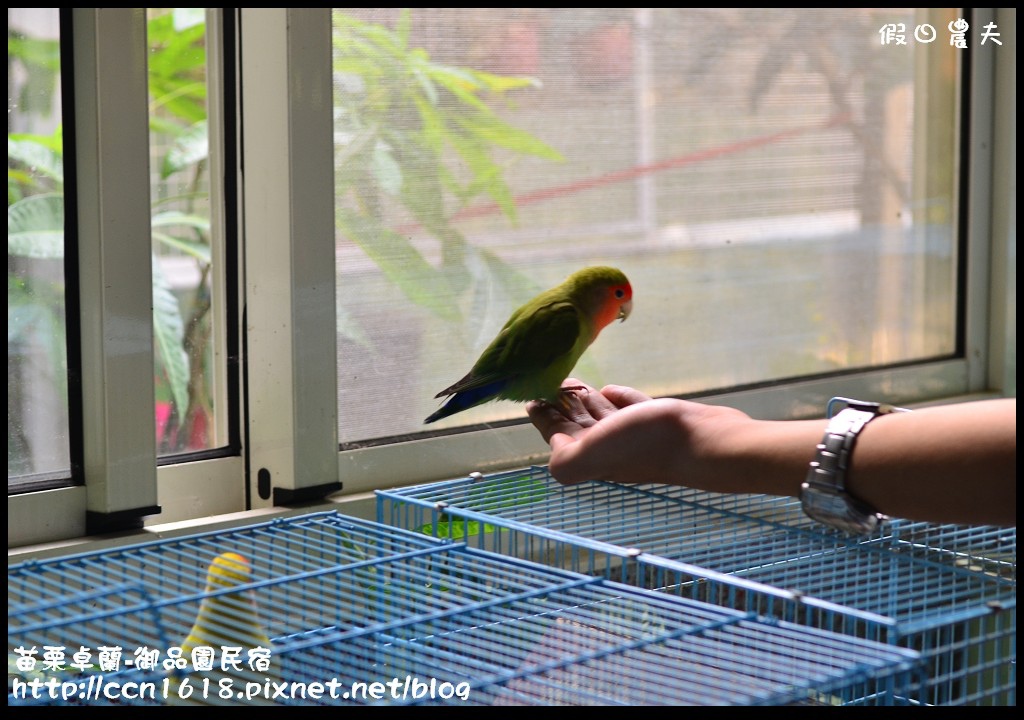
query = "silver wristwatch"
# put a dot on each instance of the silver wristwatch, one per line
(823, 494)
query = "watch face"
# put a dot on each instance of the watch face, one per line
(824, 503)
(837, 511)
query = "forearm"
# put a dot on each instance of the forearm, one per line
(935, 464)
(931, 464)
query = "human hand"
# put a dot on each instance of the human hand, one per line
(621, 435)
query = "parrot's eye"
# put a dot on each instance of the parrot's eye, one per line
(619, 292)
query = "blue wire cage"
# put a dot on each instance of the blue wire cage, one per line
(361, 613)
(947, 591)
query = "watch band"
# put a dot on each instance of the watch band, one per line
(823, 494)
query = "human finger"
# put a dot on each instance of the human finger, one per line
(550, 420)
(621, 396)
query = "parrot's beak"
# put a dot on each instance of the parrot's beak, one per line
(625, 309)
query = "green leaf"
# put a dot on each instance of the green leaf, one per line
(433, 129)
(496, 290)
(404, 27)
(199, 249)
(164, 126)
(34, 319)
(40, 61)
(495, 131)
(383, 38)
(191, 146)
(386, 170)
(33, 51)
(177, 66)
(184, 100)
(175, 51)
(169, 336)
(487, 175)
(350, 151)
(38, 154)
(35, 325)
(415, 110)
(35, 227)
(402, 264)
(422, 192)
(503, 83)
(460, 84)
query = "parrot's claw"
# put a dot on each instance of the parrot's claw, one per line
(566, 395)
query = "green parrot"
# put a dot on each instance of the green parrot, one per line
(542, 341)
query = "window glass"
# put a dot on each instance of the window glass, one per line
(777, 184)
(37, 373)
(183, 269)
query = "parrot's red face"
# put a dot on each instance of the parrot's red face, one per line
(617, 304)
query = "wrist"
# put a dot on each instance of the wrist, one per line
(824, 494)
(739, 454)
(772, 456)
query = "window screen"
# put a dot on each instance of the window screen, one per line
(778, 185)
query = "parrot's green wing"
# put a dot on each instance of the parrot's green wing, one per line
(529, 343)
(535, 342)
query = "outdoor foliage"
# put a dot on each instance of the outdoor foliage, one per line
(421, 151)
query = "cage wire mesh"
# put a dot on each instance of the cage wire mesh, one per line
(345, 603)
(947, 591)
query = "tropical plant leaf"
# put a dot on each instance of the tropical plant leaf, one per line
(35, 227)
(404, 27)
(350, 145)
(386, 169)
(37, 153)
(35, 321)
(34, 51)
(422, 192)
(169, 336)
(487, 175)
(495, 131)
(432, 130)
(425, 83)
(28, 315)
(177, 67)
(191, 146)
(198, 249)
(403, 265)
(502, 83)
(497, 290)
(40, 60)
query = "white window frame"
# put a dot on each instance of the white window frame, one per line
(287, 249)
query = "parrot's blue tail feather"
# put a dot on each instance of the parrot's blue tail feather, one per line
(466, 399)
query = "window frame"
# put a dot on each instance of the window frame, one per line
(287, 403)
